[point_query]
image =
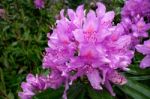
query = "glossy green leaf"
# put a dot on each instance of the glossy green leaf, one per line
(146, 77)
(136, 70)
(50, 94)
(76, 91)
(136, 90)
(93, 94)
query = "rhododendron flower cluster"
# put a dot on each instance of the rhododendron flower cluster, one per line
(136, 19)
(136, 22)
(87, 44)
(39, 83)
(32, 85)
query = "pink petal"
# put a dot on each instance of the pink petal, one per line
(145, 62)
(147, 43)
(91, 14)
(123, 41)
(71, 14)
(30, 78)
(109, 87)
(102, 34)
(94, 79)
(62, 13)
(78, 34)
(28, 88)
(62, 31)
(80, 11)
(108, 17)
(104, 72)
(24, 95)
(117, 78)
(90, 25)
(142, 49)
(119, 28)
(100, 11)
(65, 91)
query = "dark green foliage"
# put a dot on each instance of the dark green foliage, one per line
(23, 38)
(50, 94)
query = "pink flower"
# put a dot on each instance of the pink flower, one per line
(39, 4)
(135, 19)
(144, 49)
(38, 83)
(133, 8)
(89, 45)
(33, 84)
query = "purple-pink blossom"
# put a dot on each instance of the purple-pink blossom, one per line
(144, 49)
(136, 22)
(33, 84)
(39, 4)
(135, 19)
(38, 83)
(89, 45)
(133, 8)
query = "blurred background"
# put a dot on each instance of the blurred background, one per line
(23, 38)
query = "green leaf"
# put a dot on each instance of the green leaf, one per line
(82, 95)
(146, 77)
(2, 82)
(10, 95)
(136, 90)
(50, 94)
(134, 94)
(136, 70)
(76, 91)
(93, 94)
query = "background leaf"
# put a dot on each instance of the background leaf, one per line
(136, 90)
(93, 94)
(50, 94)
